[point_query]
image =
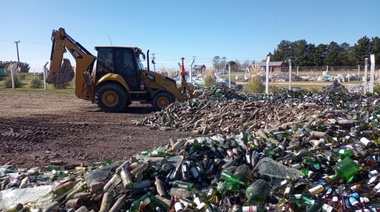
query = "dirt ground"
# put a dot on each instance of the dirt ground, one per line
(39, 127)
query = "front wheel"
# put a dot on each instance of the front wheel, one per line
(111, 98)
(161, 100)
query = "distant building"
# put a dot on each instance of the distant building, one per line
(199, 69)
(276, 66)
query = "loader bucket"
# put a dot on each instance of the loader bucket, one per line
(63, 75)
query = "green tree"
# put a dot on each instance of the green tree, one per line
(344, 54)
(304, 54)
(235, 66)
(24, 67)
(321, 52)
(375, 48)
(313, 56)
(361, 50)
(245, 65)
(300, 53)
(332, 55)
(219, 63)
(283, 51)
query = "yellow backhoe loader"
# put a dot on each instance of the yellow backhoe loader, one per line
(115, 78)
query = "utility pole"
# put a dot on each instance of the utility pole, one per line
(154, 62)
(290, 74)
(18, 56)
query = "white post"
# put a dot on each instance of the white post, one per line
(270, 73)
(267, 76)
(191, 71)
(365, 75)
(229, 75)
(298, 67)
(359, 71)
(13, 75)
(290, 74)
(45, 72)
(372, 79)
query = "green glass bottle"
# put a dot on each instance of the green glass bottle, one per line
(313, 205)
(344, 153)
(312, 162)
(144, 200)
(231, 178)
(244, 173)
(159, 152)
(257, 192)
(306, 172)
(181, 184)
(269, 152)
(227, 186)
(302, 199)
(155, 204)
(345, 169)
(52, 167)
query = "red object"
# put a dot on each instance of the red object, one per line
(183, 72)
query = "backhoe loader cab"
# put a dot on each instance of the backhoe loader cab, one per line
(121, 61)
(115, 78)
(120, 79)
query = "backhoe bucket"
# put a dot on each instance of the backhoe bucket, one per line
(65, 74)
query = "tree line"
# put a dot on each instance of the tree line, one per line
(24, 67)
(302, 53)
(299, 52)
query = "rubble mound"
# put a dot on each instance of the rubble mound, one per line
(336, 88)
(222, 111)
(284, 76)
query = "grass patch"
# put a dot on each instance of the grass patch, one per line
(254, 85)
(8, 83)
(376, 88)
(209, 77)
(36, 83)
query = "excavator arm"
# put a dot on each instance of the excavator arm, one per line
(61, 71)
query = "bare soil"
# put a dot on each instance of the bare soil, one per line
(37, 128)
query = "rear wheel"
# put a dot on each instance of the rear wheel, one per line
(161, 100)
(111, 98)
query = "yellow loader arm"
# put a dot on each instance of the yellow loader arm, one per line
(61, 71)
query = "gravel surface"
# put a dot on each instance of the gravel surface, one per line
(41, 127)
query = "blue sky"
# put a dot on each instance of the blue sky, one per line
(238, 30)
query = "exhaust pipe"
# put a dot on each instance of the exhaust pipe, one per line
(147, 59)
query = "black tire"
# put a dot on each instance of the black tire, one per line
(111, 98)
(161, 100)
